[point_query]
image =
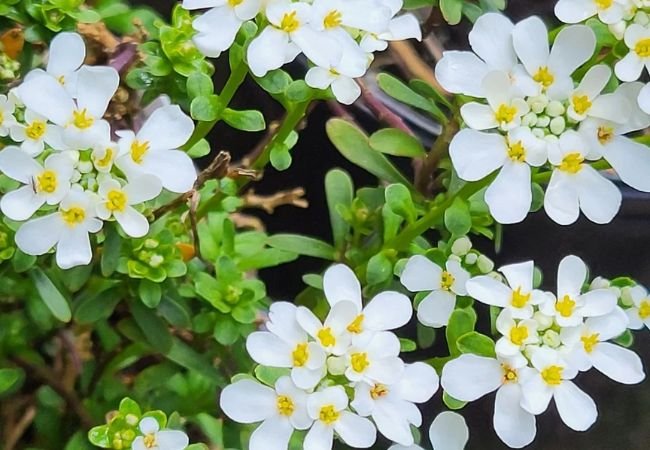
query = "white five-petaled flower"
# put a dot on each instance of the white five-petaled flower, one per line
(575, 11)
(576, 186)
(117, 201)
(281, 410)
(66, 55)
(286, 345)
(448, 431)
(405, 26)
(639, 313)
(156, 439)
(217, 27)
(48, 183)
(470, 377)
(516, 335)
(103, 156)
(68, 229)
(476, 154)
(588, 348)
(386, 311)
(374, 358)
(571, 306)
(332, 335)
(328, 409)
(35, 133)
(154, 150)
(552, 380)
(392, 406)
(81, 119)
(587, 101)
(518, 296)
(7, 120)
(630, 68)
(421, 274)
(552, 70)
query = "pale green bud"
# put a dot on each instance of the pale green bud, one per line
(557, 125)
(456, 258)
(156, 260)
(543, 121)
(538, 133)
(151, 243)
(76, 176)
(626, 296)
(544, 322)
(555, 109)
(485, 264)
(538, 103)
(529, 120)
(461, 246)
(85, 167)
(471, 258)
(551, 338)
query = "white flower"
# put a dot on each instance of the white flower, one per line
(475, 155)
(551, 380)
(637, 38)
(103, 156)
(643, 99)
(286, 345)
(328, 410)
(35, 133)
(66, 55)
(117, 201)
(392, 406)
(81, 120)
(470, 377)
(68, 229)
(374, 358)
(333, 335)
(154, 150)
(639, 314)
(405, 26)
(288, 34)
(571, 306)
(587, 101)
(589, 348)
(217, 28)
(518, 296)
(448, 431)
(366, 15)
(49, 183)
(574, 11)
(576, 186)
(421, 274)
(281, 410)
(7, 120)
(516, 335)
(386, 311)
(552, 69)
(156, 439)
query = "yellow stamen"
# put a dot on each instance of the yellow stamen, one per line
(356, 326)
(35, 130)
(46, 181)
(516, 152)
(105, 160)
(289, 22)
(73, 216)
(552, 375)
(565, 306)
(505, 114)
(447, 281)
(544, 77)
(378, 391)
(603, 4)
(581, 103)
(116, 200)
(285, 405)
(519, 299)
(589, 342)
(326, 337)
(233, 3)
(644, 309)
(605, 134)
(82, 120)
(138, 150)
(300, 355)
(572, 163)
(359, 362)
(518, 334)
(328, 414)
(509, 374)
(61, 80)
(333, 19)
(642, 48)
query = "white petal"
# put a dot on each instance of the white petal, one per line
(387, 311)
(470, 377)
(461, 73)
(478, 116)
(418, 383)
(95, 88)
(357, 432)
(266, 52)
(520, 275)
(346, 90)
(45, 96)
(606, 107)
(200, 4)
(531, 44)
(405, 27)
(420, 274)
(132, 222)
(575, 11)
(618, 363)
(321, 49)
(319, 78)
(306, 378)
(392, 424)
(273, 434)
(319, 437)
(491, 40)
(282, 322)
(436, 308)
(644, 98)
(174, 169)
(630, 160)
(142, 188)
(489, 291)
(248, 9)
(561, 199)
(475, 155)
(341, 284)
(571, 274)
(247, 401)
(515, 426)
(449, 431)
(576, 408)
(217, 29)
(573, 47)
(536, 395)
(269, 350)
(149, 425)
(17, 165)
(172, 440)
(21, 204)
(67, 53)
(167, 128)
(595, 80)
(73, 248)
(599, 198)
(598, 302)
(509, 197)
(629, 68)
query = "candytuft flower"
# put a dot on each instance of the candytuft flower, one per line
(156, 439)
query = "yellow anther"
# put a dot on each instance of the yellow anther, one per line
(544, 77)
(46, 181)
(326, 337)
(285, 405)
(356, 326)
(644, 309)
(603, 4)
(233, 3)
(73, 216)
(642, 48)
(518, 334)
(378, 391)
(35, 130)
(105, 160)
(572, 163)
(300, 355)
(333, 19)
(516, 152)
(289, 22)
(116, 200)
(359, 362)
(61, 80)
(328, 414)
(581, 103)
(505, 114)
(589, 342)
(138, 150)
(519, 299)
(565, 306)
(82, 120)
(552, 375)
(447, 281)
(605, 134)
(509, 374)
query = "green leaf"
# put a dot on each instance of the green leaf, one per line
(458, 219)
(205, 108)
(150, 293)
(199, 85)
(452, 10)
(396, 142)
(110, 251)
(476, 343)
(299, 92)
(9, 379)
(354, 145)
(53, 298)
(226, 332)
(275, 82)
(462, 321)
(302, 245)
(398, 199)
(400, 91)
(129, 406)
(200, 149)
(280, 156)
(184, 355)
(339, 190)
(246, 120)
(153, 327)
(99, 437)
(452, 403)
(626, 339)
(213, 430)
(379, 269)
(269, 375)
(97, 301)
(407, 345)
(22, 262)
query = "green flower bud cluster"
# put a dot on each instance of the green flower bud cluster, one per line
(154, 258)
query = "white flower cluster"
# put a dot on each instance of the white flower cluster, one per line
(534, 116)
(338, 36)
(70, 173)
(342, 372)
(546, 341)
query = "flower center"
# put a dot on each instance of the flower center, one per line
(605, 134)
(604, 4)
(644, 309)
(581, 103)
(73, 216)
(116, 200)
(544, 76)
(149, 440)
(589, 342)
(552, 375)
(233, 3)
(285, 405)
(35, 130)
(61, 80)
(447, 281)
(46, 181)
(642, 48)
(328, 414)
(2, 117)
(356, 326)
(518, 334)
(333, 19)
(565, 306)
(326, 337)
(516, 152)
(572, 163)
(138, 150)
(378, 391)
(509, 374)
(300, 355)
(505, 113)
(82, 120)
(519, 299)
(105, 160)
(289, 22)
(359, 362)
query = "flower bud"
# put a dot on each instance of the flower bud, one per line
(543, 121)
(336, 365)
(626, 296)
(529, 120)
(551, 338)
(85, 167)
(456, 258)
(76, 176)
(538, 103)
(618, 29)
(558, 125)
(461, 246)
(544, 322)
(156, 260)
(599, 283)
(641, 18)
(151, 243)
(485, 264)
(471, 258)
(555, 109)
(538, 133)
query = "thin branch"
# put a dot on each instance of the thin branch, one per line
(269, 203)
(424, 174)
(381, 111)
(20, 427)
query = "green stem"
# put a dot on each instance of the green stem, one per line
(236, 78)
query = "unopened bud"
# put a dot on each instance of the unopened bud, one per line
(529, 120)
(555, 109)
(485, 264)
(552, 338)
(557, 125)
(461, 246)
(538, 103)
(544, 322)
(471, 258)
(543, 121)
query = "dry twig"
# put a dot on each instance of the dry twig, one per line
(269, 203)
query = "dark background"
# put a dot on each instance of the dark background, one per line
(619, 248)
